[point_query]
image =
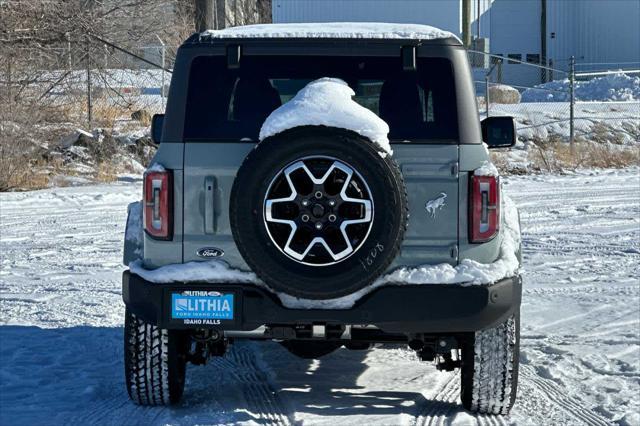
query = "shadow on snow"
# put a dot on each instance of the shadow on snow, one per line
(75, 376)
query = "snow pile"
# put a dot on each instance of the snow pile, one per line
(370, 30)
(212, 271)
(327, 102)
(487, 169)
(156, 167)
(613, 87)
(503, 94)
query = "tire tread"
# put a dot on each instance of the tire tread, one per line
(147, 364)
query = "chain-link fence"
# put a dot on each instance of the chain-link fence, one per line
(104, 89)
(95, 83)
(567, 114)
(563, 104)
(92, 84)
(82, 110)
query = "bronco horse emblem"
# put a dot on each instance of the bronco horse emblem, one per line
(436, 204)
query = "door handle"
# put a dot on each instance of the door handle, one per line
(209, 205)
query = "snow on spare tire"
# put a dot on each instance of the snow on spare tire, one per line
(318, 209)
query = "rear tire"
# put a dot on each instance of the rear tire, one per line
(489, 377)
(154, 362)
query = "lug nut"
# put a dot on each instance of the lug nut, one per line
(332, 203)
(318, 194)
(318, 226)
(305, 218)
(305, 203)
(332, 218)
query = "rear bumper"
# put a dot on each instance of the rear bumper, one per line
(439, 308)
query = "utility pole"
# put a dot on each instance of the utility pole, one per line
(466, 23)
(478, 20)
(209, 14)
(543, 40)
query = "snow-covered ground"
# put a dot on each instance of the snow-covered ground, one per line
(61, 324)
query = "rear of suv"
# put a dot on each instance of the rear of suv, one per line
(272, 211)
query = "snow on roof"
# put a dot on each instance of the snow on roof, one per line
(365, 30)
(327, 102)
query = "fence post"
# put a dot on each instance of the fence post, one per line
(9, 82)
(89, 100)
(486, 93)
(163, 67)
(572, 101)
(69, 61)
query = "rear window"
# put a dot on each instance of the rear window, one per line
(228, 103)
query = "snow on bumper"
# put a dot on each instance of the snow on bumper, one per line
(467, 273)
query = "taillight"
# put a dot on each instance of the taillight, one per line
(158, 218)
(484, 217)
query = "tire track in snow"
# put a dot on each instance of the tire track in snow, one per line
(446, 402)
(262, 398)
(595, 289)
(440, 405)
(559, 397)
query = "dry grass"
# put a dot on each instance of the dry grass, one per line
(31, 159)
(554, 155)
(105, 173)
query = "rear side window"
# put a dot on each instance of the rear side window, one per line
(226, 104)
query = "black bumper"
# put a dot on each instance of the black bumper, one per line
(438, 308)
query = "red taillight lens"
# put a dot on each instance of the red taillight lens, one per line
(484, 217)
(158, 190)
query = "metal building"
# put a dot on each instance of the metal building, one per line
(601, 34)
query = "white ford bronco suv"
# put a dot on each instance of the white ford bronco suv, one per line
(324, 185)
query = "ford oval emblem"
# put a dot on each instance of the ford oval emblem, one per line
(210, 252)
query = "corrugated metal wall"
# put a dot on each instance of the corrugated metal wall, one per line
(601, 33)
(515, 30)
(604, 32)
(443, 14)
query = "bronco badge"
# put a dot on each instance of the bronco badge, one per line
(210, 252)
(436, 204)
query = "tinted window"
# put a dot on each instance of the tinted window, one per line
(516, 56)
(228, 103)
(533, 58)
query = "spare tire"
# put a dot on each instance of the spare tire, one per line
(318, 212)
